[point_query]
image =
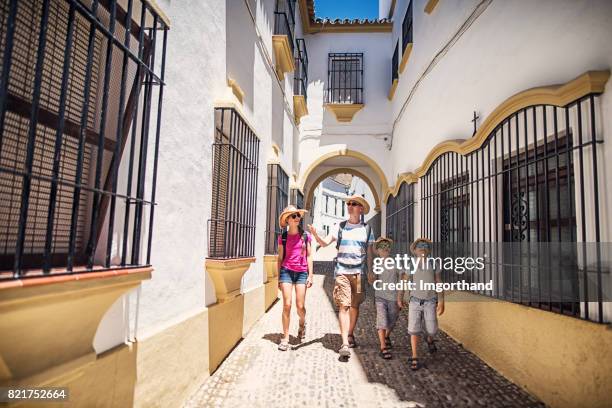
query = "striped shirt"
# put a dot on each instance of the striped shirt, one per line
(352, 253)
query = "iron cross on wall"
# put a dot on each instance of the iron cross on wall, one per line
(476, 117)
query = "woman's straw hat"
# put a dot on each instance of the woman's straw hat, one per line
(290, 209)
(416, 241)
(360, 200)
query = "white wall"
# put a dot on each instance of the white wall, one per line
(319, 131)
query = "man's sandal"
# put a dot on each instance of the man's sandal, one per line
(415, 364)
(432, 347)
(351, 341)
(386, 354)
(283, 345)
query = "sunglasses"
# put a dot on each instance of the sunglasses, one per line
(383, 246)
(423, 245)
(294, 216)
(353, 204)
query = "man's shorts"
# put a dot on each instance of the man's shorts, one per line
(422, 310)
(387, 312)
(345, 291)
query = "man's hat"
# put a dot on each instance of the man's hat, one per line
(360, 200)
(416, 241)
(291, 209)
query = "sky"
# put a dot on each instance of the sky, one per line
(346, 8)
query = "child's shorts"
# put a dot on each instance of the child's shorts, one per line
(386, 313)
(422, 310)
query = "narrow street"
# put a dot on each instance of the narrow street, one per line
(310, 374)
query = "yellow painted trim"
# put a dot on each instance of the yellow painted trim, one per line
(344, 112)
(153, 4)
(562, 360)
(345, 152)
(270, 265)
(236, 90)
(405, 57)
(299, 107)
(340, 170)
(430, 6)
(271, 292)
(392, 90)
(408, 178)
(225, 326)
(283, 55)
(557, 95)
(51, 314)
(226, 275)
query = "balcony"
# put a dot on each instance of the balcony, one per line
(344, 96)
(300, 81)
(283, 38)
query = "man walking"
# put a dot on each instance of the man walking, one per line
(354, 241)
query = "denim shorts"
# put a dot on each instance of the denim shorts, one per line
(289, 276)
(422, 311)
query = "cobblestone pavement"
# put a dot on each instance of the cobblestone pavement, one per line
(310, 374)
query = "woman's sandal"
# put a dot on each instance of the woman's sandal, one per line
(432, 347)
(415, 364)
(302, 331)
(283, 345)
(386, 354)
(388, 343)
(351, 340)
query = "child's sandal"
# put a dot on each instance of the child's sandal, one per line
(388, 343)
(415, 364)
(386, 354)
(351, 341)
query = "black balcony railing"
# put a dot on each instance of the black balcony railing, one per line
(234, 187)
(345, 78)
(394, 64)
(80, 114)
(528, 202)
(300, 79)
(278, 199)
(407, 28)
(284, 20)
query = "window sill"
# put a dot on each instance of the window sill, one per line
(430, 6)
(283, 55)
(299, 107)
(226, 275)
(344, 112)
(63, 314)
(405, 57)
(392, 90)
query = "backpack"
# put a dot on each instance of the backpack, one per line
(284, 241)
(343, 224)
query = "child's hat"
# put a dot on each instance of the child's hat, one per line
(416, 241)
(382, 239)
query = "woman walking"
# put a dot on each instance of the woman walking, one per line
(295, 269)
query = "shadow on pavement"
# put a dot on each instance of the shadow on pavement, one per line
(451, 377)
